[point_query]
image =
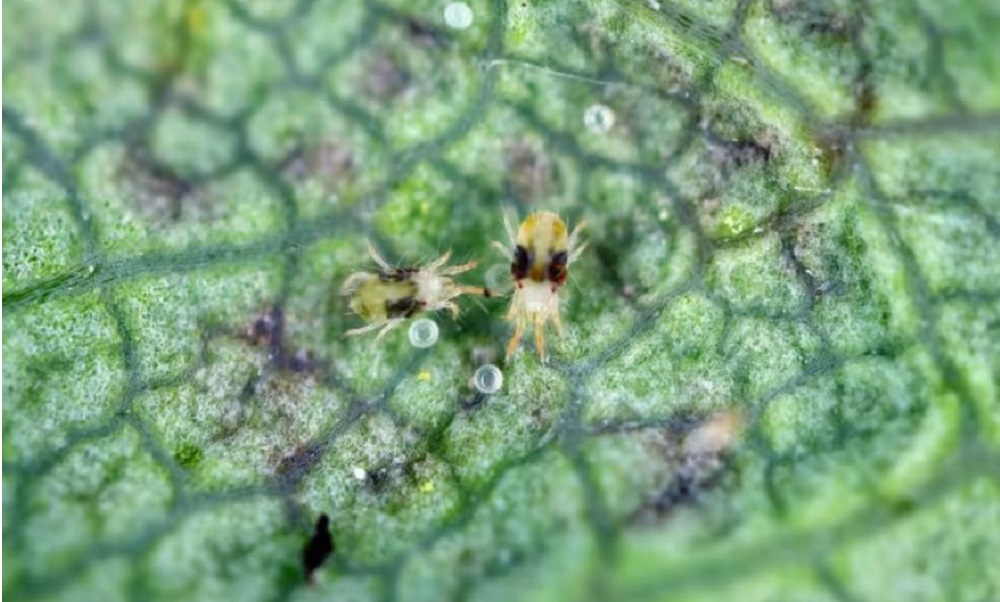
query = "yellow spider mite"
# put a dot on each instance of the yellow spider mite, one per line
(389, 297)
(541, 252)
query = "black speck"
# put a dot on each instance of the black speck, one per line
(318, 548)
(405, 307)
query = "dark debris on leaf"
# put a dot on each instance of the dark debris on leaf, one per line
(318, 548)
(159, 191)
(531, 174)
(268, 331)
(292, 468)
(329, 162)
(700, 460)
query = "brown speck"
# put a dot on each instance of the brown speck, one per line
(267, 331)
(302, 361)
(865, 102)
(424, 33)
(294, 467)
(832, 152)
(384, 78)
(696, 460)
(329, 162)
(531, 173)
(265, 328)
(160, 192)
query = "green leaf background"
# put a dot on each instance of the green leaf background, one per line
(794, 215)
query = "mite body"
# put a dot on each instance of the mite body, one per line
(389, 297)
(542, 250)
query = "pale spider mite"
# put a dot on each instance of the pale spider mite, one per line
(388, 298)
(541, 252)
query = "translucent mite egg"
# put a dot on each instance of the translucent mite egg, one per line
(423, 333)
(598, 118)
(458, 15)
(488, 379)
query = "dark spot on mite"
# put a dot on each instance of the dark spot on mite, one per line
(403, 308)
(318, 548)
(557, 267)
(522, 262)
(398, 274)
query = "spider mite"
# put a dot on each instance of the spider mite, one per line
(541, 251)
(389, 297)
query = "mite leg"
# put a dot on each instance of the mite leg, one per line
(575, 248)
(353, 280)
(480, 291)
(515, 338)
(540, 336)
(359, 331)
(509, 227)
(575, 254)
(557, 321)
(458, 269)
(440, 261)
(504, 249)
(451, 307)
(377, 257)
(515, 307)
(389, 326)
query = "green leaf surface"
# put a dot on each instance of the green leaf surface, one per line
(780, 371)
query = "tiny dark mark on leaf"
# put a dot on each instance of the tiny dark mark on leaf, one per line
(378, 478)
(833, 148)
(530, 172)
(293, 468)
(301, 361)
(865, 100)
(318, 548)
(816, 20)
(425, 33)
(159, 191)
(699, 461)
(267, 331)
(330, 162)
(472, 402)
(385, 78)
